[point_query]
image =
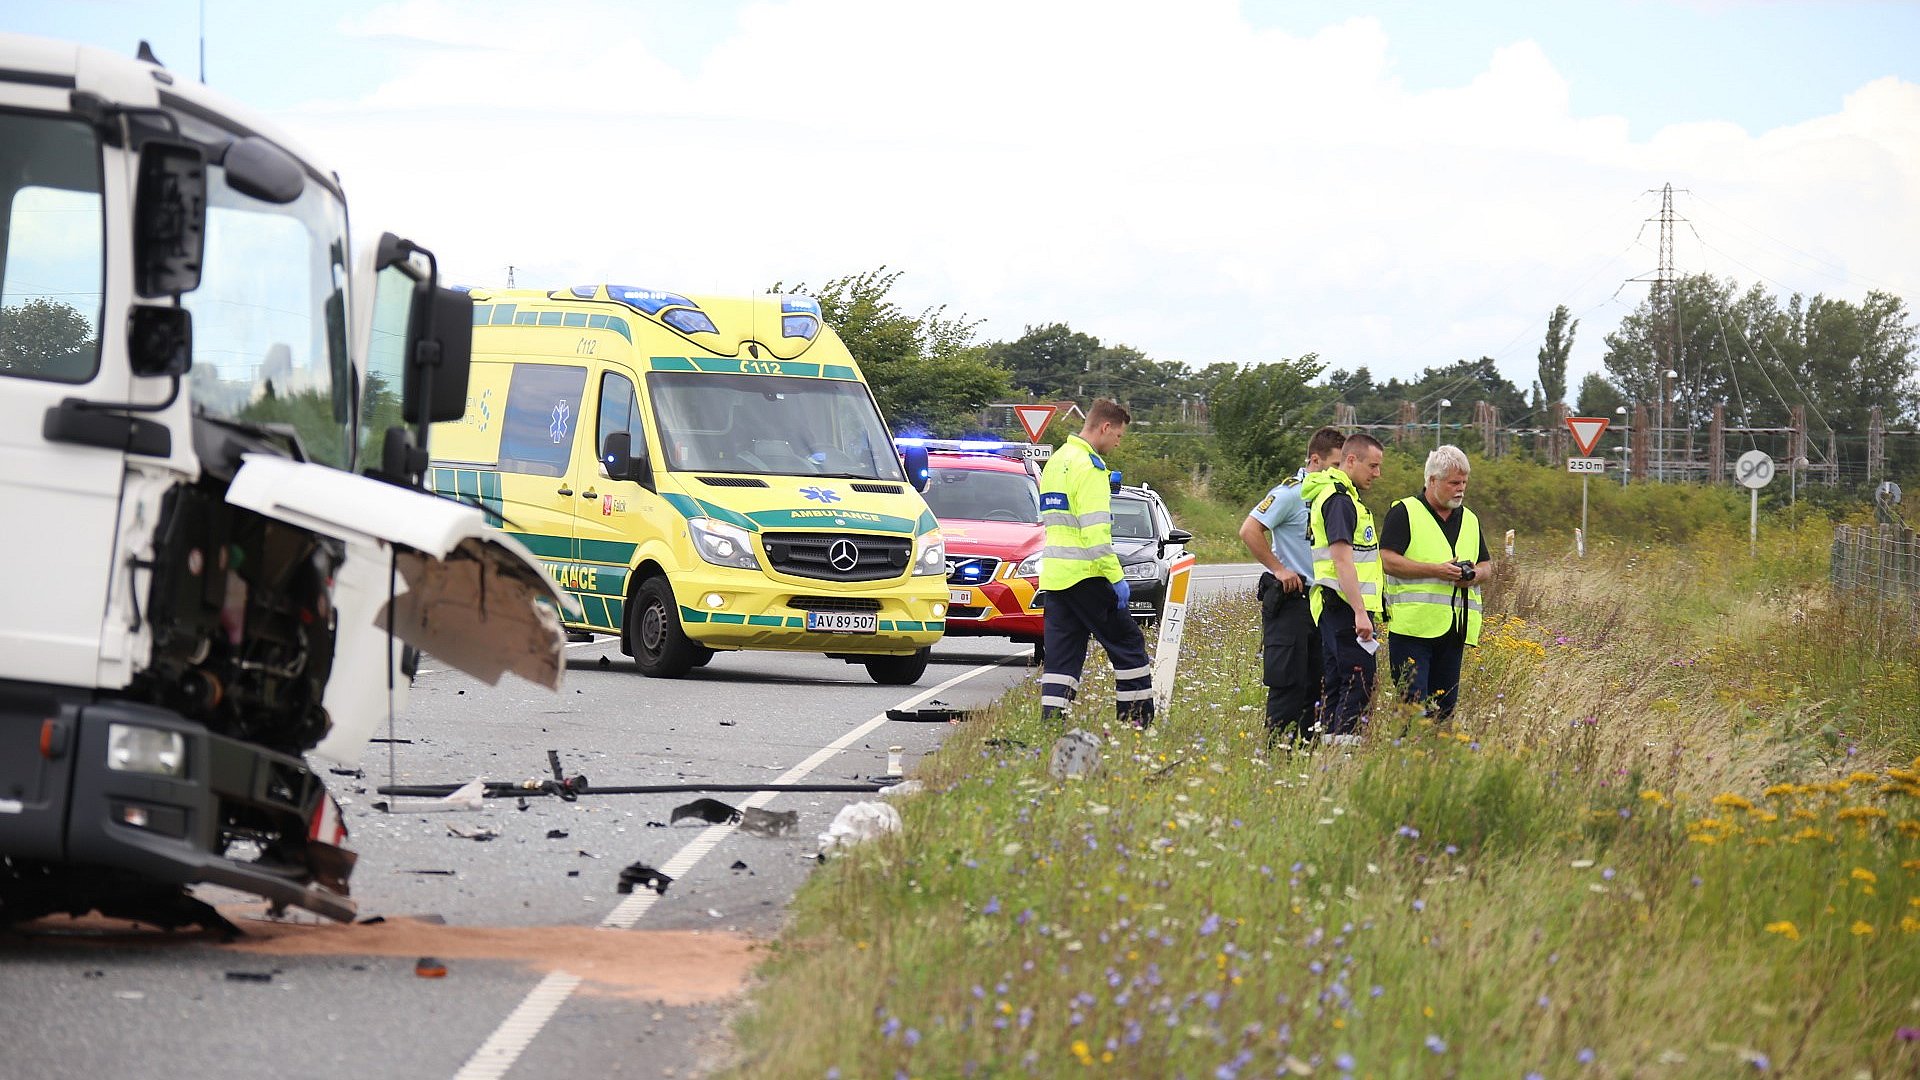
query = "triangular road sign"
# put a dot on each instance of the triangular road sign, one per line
(1586, 432)
(1035, 418)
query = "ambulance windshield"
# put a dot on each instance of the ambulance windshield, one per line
(771, 425)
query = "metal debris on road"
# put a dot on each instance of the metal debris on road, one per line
(482, 833)
(711, 811)
(769, 823)
(641, 874)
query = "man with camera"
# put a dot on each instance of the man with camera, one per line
(1436, 560)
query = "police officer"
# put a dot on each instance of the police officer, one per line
(1086, 590)
(1436, 560)
(1275, 533)
(1347, 583)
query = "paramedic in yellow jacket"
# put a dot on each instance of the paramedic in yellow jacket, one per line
(1086, 592)
(1436, 560)
(1347, 585)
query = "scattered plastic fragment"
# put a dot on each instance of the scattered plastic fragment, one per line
(857, 823)
(556, 834)
(711, 811)
(429, 968)
(641, 874)
(250, 976)
(1075, 754)
(482, 833)
(769, 823)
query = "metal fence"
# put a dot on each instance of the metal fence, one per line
(1880, 563)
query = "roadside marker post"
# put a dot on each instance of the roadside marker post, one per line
(1586, 435)
(1754, 470)
(1173, 620)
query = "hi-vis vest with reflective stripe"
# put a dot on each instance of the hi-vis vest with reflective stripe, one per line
(1428, 607)
(1076, 506)
(1366, 548)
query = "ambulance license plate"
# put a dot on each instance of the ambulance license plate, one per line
(960, 596)
(843, 622)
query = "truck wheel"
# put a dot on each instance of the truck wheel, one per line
(898, 670)
(661, 647)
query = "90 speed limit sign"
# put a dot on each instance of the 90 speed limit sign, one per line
(1754, 469)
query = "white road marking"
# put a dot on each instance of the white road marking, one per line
(505, 1045)
(518, 1030)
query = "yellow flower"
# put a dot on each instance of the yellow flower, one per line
(1911, 828)
(1705, 838)
(1908, 775)
(1707, 823)
(1760, 841)
(1765, 817)
(1862, 928)
(1909, 925)
(1809, 833)
(1862, 777)
(1729, 799)
(1784, 929)
(1780, 789)
(1803, 814)
(1654, 797)
(1861, 814)
(1861, 873)
(1427, 1011)
(1081, 1051)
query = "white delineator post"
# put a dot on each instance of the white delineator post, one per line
(1173, 620)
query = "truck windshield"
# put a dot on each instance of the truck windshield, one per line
(983, 495)
(269, 317)
(771, 425)
(51, 243)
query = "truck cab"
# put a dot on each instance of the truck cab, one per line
(211, 421)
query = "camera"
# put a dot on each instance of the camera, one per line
(1466, 570)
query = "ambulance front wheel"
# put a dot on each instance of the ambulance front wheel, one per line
(899, 670)
(655, 639)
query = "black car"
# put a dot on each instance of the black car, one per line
(1147, 542)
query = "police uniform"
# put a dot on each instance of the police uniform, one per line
(1289, 641)
(1338, 514)
(1434, 619)
(1079, 572)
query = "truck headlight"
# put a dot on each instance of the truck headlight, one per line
(132, 748)
(933, 556)
(1029, 566)
(1141, 571)
(722, 544)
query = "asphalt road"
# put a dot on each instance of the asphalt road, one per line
(87, 1001)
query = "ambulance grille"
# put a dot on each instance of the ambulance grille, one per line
(813, 555)
(835, 603)
(732, 481)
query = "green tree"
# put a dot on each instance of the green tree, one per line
(1050, 361)
(1262, 417)
(45, 338)
(1598, 397)
(925, 371)
(1552, 386)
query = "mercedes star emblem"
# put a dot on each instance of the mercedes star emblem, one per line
(843, 555)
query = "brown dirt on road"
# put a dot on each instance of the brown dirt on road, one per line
(672, 967)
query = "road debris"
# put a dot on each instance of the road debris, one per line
(556, 834)
(467, 796)
(250, 976)
(769, 823)
(934, 711)
(711, 811)
(1075, 754)
(429, 968)
(857, 823)
(482, 833)
(903, 788)
(641, 874)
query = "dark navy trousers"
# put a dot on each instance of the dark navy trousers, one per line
(1089, 608)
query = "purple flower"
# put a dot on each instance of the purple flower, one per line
(1907, 1034)
(1026, 916)
(1212, 998)
(1584, 1057)
(1026, 1017)
(833, 1073)
(1761, 1062)
(892, 1025)
(1419, 905)
(1376, 991)
(912, 1037)
(1208, 927)
(1436, 1044)
(992, 906)
(1344, 1062)
(1607, 873)
(1544, 1002)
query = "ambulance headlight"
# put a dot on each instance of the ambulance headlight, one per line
(722, 544)
(1029, 566)
(933, 556)
(132, 748)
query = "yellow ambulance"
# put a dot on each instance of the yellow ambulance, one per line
(701, 474)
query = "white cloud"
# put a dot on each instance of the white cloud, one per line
(1194, 186)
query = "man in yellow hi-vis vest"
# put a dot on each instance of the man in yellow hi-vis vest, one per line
(1086, 592)
(1436, 560)
(1347, 585)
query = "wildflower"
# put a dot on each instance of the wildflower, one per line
(1861, 777)
(1759, 1061)
(1082, 1051)
(911, 1037)
(1780, 789)
(1607, 873)
(1344, 1063)
(992, 906)
(1907, 1034)
(1419, 905)
(1784, 929)
(1584, 1057)
(1861, 813)
(1909, 925)
(1731, 801)
(1863, 874)
(1436, 1044)
(1861, 928)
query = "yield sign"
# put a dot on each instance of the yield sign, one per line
(1035, 418)
(1586, 432)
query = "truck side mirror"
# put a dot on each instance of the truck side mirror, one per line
(621, 463)
(915, 459)
(159, 340)
(169, 218)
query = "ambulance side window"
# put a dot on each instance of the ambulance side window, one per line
(619, 411)
(543, 406)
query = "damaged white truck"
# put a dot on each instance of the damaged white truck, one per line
(212, 428)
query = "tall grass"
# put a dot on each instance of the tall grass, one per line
(1673, 830)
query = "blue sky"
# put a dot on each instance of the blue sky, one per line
(1394, 184)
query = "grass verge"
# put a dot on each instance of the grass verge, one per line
(1674, 830)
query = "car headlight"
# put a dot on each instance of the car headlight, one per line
(133, 748)
(1141, 571)
(722, 544)
(933, 556)
(1029, 566)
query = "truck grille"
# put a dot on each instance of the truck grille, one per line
(839, 556)
(971, 569)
